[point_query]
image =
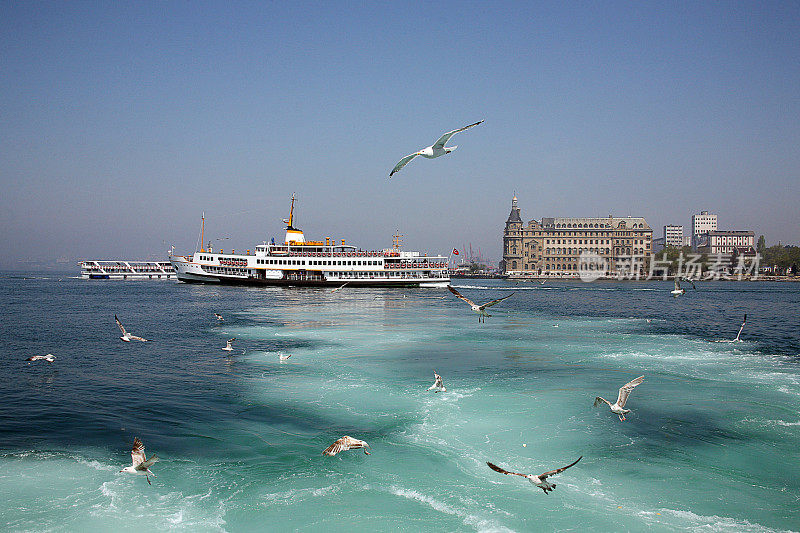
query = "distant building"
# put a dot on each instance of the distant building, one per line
(702, 223)
(725, 242)
(687, 240)
(554, 245)
(673, 235)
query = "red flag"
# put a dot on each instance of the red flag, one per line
(455, 252)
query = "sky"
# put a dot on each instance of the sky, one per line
(121, 123)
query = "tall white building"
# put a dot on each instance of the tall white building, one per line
(673, 235)
(701, 224)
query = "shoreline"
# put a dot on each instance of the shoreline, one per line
(776, 279)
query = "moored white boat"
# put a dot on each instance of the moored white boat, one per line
(117, 269)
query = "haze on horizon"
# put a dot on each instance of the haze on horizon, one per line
(121, 124)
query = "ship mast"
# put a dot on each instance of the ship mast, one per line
(202, 232)
(291, 213)
(397, 240)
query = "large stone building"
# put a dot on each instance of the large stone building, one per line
(554, 246)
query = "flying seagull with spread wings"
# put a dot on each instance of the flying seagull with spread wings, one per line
(127, 337)
(480, 309)
(219, 316)
(737, 339)
(624, 392)
(345, 443)
(49, 358)
(340, 287)
(435, 150)
(540, 480)
(139, 465)
(228, 345)
(678, 290)
(437, 386)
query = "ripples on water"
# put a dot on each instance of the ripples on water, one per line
(711, 444)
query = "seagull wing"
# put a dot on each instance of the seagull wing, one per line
(336, 447)
(558, 470)
(599, 400)
(137, 452)
(744, 321)
(446, 137)
(119, 324)
(147, 464)
(231, 340)
(135, 338)
(459, 295)
(626, 389)
(403, 162)
(484, 306)
(343, 444)
(504, 471)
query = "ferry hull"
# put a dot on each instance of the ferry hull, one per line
(190, 272)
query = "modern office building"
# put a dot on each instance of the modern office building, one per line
(702, 223)
(673, 235)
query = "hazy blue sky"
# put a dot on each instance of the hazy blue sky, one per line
(120, 124)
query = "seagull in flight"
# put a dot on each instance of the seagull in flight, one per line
(678, 291)
(437, 386)
(737, 339)
(284, 357)
(624, 392)
(480, 309)
(49, 358)
(219, 316)
(127, 337)
(228, 347)
(540, 480)
(345, 443)
(139, 465)
(340, 287)
(435, 150)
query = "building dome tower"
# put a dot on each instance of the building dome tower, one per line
(512, 240)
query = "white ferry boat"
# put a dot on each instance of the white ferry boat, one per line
(109, 269)
(312, 263)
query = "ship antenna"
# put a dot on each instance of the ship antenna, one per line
(202, 231)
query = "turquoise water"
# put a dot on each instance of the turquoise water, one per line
(711, 444)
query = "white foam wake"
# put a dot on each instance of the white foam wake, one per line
(695, 522)
(468, 519)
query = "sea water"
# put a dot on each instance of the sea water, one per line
(712, 442)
